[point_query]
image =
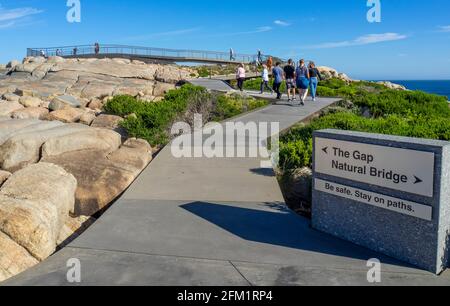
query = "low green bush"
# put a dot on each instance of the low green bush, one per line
(228, 107)
(152, 121)
(296, 147)
(255, 84)
(404, 103)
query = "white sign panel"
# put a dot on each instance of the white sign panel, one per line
(393, 204)
(400, 169)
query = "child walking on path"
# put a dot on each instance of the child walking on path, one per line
(265, 80)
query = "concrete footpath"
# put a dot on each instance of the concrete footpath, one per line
(218, 221)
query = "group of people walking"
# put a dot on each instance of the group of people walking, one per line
(298, 79)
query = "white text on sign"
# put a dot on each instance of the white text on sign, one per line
(400, 169)
(390, 203)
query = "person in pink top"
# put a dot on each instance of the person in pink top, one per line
(240, 76)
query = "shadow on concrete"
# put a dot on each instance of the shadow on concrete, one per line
(281, 227)
(263, 171)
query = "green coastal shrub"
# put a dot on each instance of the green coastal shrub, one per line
(255, 84)
(152, 121)
(404, 103)
(228, 107)
(296, 147)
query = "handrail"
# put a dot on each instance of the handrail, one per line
(174, 54)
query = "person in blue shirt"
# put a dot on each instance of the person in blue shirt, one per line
(278, 75)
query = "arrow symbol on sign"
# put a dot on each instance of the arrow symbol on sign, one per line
(418, 180)
(325, 150)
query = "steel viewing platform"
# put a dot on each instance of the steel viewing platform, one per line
(145, 54)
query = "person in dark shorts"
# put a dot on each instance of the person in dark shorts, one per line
(289, 74)
(277, 74)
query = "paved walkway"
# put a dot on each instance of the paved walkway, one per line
(215, 221)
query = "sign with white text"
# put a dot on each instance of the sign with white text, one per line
(394, 168)
(390, 203)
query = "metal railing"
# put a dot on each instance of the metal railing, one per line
(145, 52)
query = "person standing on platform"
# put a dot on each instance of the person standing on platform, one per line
(232, 57)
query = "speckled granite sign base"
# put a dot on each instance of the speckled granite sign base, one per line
(386, 200)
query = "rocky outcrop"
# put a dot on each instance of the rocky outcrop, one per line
(62, 174)
(73, 227)
(4, 175)
(62, 102)
(27, 101)
(91, 78)
(14, 258)
(58, 89)
(34, 205)
(330, 73)
(66, 115)
(25, 148)
(107, 121)
(100, 182)
(87, 139)
(12, 64)
(30, 113)
(297, 190)
(7, 107)
(391, 85)
(61, 159)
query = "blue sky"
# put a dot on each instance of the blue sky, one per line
(411, 42)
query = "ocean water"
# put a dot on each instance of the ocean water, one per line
(435, 87)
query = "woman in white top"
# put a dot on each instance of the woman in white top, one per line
(240, 76)
(265, 80)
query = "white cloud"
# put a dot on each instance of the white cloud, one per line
(7, 25)
(360, 41)
(14, 14)
(12, 17)
(445, 29)
(261, 30)
(282, 23)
